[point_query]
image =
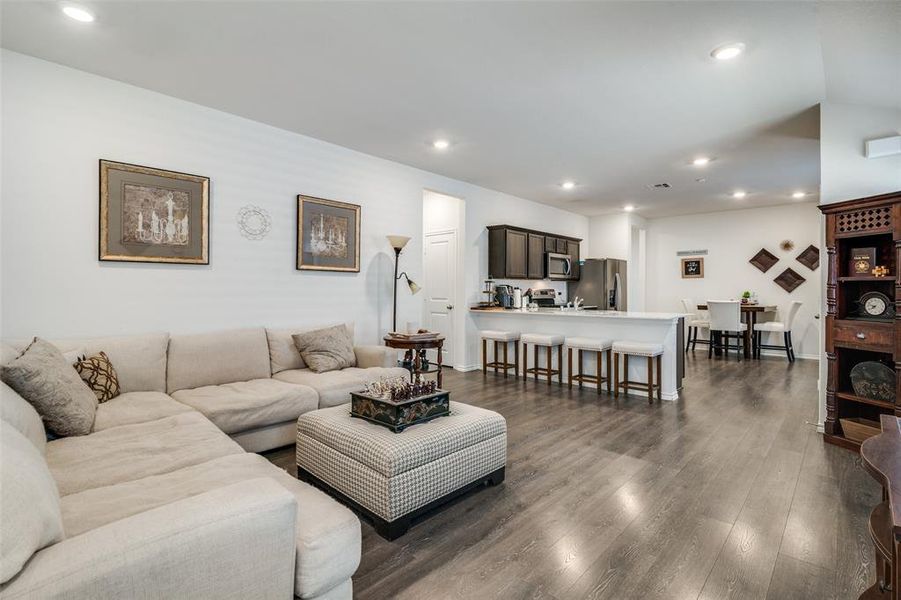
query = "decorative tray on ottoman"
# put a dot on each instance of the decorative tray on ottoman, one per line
(397, 415)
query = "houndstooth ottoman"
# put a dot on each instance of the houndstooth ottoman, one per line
(394, 478)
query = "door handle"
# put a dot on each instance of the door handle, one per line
(450, 307)
(861, 335)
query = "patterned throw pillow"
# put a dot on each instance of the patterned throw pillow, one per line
(97, 371)
(328, 349)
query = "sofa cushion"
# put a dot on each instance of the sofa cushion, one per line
(328, 535)
(244, 405)
(283, 353)
(130, 452)
(333, 387)
(136, 407)
(215, 358)
(16, 411)
(140, 360)
(29, 502)
(328, 349)
(42, 376)
(99, 374)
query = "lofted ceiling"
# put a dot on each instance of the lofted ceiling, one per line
(616, 96)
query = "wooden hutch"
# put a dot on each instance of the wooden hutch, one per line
(854, 335)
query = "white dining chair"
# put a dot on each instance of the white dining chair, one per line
(725, 325)
(783, 327)
(695, 321)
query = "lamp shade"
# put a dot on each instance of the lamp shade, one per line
(414, 287)
(398, 241)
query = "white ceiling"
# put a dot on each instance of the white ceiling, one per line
(615, 96)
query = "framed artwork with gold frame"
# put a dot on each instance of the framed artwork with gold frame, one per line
(328, 235)
(153, 215)
(692, 268)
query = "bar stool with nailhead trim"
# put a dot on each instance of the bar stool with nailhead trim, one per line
(548, 341)
(500, 337)
(652, 352)
(600, 347)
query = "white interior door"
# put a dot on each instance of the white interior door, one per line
(440, 287)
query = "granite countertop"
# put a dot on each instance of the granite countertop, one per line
(577, 314)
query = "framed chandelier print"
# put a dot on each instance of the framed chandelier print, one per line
(152, 215)
(328, 235)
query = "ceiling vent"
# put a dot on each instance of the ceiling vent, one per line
(659, 186)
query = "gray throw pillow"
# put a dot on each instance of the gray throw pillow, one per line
(47, 380)
(326, 349)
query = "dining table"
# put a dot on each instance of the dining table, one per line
(749, 312)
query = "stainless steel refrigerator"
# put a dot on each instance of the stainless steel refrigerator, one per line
(602, 283)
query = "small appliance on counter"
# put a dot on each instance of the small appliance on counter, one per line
(504, 295)
(545, 298)
(517, 297)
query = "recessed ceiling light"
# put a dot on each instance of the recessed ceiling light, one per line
(700, 161)
(728, 51)
(739, 194)
(628, 208)
(568, 185)
(798, 194)
(78, 13)
(441, 144)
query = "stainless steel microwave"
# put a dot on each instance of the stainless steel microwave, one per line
(558, 266)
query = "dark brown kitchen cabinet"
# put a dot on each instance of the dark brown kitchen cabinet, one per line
(536, 256)
(519, 253)
(572, 248)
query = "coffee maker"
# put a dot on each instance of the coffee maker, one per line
(504, 295)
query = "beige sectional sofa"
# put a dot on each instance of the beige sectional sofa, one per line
(166, 475)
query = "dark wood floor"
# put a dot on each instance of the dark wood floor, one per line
(727, 493)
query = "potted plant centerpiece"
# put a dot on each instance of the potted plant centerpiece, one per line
(746, 297)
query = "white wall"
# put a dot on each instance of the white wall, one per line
(732, 238)
(57, 123)
(845, 171)
(608, 236)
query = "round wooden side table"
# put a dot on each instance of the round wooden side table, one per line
(416, 350)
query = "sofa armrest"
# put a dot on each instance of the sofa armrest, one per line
(237, 541)
(375, 356)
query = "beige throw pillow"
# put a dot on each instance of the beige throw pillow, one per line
(42, 376)
(326, 349)
(29, 503)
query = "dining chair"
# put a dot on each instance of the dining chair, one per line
(784, 327)
(695, 322)
(725, 325)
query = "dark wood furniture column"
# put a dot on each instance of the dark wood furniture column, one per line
(851, 337)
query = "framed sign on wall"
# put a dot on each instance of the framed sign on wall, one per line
(692, 268)
(153, 215)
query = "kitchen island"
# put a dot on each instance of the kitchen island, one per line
(660, 328)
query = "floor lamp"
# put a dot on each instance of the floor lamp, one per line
(398, 242)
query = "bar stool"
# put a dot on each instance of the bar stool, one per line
(500, 337)
(541, 340)
(650, 351)
(600, 347)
